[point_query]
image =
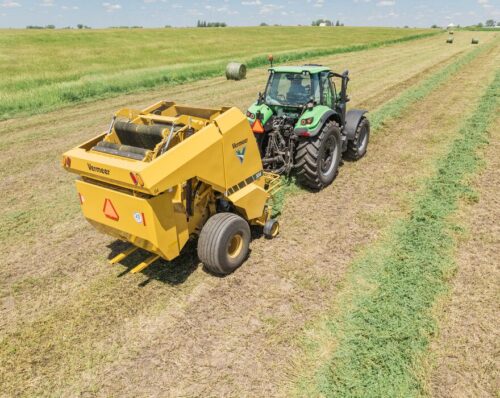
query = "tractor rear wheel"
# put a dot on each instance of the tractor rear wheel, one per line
(317, 159)
(223, 243)
(356, 148)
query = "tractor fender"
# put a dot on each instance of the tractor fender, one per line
(330, 114)
(352, 120)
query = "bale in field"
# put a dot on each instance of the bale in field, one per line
(449, 40)
(235, 71)
(475, 41)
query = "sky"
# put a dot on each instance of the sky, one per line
(158, 13)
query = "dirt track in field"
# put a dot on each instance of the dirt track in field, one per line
(469, 342)
(77, 327)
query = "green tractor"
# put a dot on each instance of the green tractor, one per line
(301, 124)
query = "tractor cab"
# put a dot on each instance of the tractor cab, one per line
(297, 88)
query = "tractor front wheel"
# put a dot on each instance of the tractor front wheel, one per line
(317, 159)
(223, 243)
(356, 148)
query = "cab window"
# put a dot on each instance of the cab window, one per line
(327, 91)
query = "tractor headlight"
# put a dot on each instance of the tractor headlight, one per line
(309, 120)
(250, 115)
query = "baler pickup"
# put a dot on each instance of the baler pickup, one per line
(169, 172)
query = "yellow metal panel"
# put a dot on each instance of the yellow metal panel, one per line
(147, 223)
(198, 156)
(241, 154)
(250, 200)
(103, 167)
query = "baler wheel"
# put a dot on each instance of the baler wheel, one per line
(271, 228)
(223, 243)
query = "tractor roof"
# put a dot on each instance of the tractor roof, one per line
(313, 69)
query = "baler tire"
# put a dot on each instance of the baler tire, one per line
(309, 156)
(357, 147)
(224, 242)
(271, 228)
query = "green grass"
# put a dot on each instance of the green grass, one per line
(390, 110)
(385, 320)
(394, 107)
(46, 70)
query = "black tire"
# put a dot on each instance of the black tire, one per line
(317, 159)
(223, 243)
(271, 228)
(357, 147)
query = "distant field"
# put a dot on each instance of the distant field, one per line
(44, 70)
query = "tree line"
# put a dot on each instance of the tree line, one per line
(205, 24)
(326, 22)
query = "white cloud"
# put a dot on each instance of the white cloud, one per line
(386, 3)
(111, 7)
(47, 3)
(10, 4)
(269, 8)
(251, 3)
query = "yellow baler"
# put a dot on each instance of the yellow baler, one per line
(170, 172)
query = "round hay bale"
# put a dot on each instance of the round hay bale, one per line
(449, 40)
(475, 41)
(451, 32)
(235, 71)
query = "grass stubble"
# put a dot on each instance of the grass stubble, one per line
(383, 321)
(89, 302)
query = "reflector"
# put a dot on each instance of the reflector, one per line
(257, 127)
(134, 179)
(109, 210)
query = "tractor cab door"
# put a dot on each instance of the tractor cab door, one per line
(328, 94)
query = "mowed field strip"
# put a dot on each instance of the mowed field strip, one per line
(383, 321)
(465, 354)
(70, 325)
(45, 70)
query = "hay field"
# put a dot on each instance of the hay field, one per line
(71, 325)
(44, 70)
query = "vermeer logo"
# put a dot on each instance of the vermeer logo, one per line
(237, 144)
(97, 169)
(240, 153)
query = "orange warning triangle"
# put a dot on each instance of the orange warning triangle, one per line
(109, 210)
(257, 127)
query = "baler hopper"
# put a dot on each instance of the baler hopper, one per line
(160, 176)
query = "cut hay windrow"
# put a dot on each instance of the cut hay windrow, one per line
(384, 321)
(53, 95)
(393, 109)
(397, 105)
